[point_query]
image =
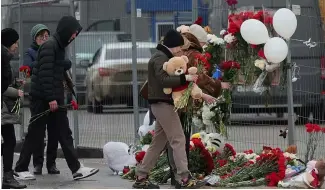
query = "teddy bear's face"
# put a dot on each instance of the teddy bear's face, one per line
(176, 66)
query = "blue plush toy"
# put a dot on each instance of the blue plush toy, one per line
(217, 74)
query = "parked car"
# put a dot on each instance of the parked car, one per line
(109, 75)
(86, 45)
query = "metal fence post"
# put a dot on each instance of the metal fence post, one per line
(194, 10)
(21, 58)
(291, 118)
(134, 70)
(74, 70)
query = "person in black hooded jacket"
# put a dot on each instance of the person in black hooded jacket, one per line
(47, 93)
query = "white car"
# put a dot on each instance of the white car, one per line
(109, 77)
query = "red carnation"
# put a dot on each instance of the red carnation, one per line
(231, 149)
(231, 2)
(309, 127)
(208, 55)
(317, 128)
(74, 105)
(222, 162)
(250, 151)
(199, 21)
(323, 130)
(139, 156)
(261, 54)
(25, 69)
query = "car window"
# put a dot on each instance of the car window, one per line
(97, 56)
(126, 53)
(86, 44)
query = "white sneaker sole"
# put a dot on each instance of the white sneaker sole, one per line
(93, 172)
(25, 179)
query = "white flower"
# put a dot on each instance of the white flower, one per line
(213, 39)
(197, 122)
(260, 63)
(222, 32)
(289, 155)
(229, 38)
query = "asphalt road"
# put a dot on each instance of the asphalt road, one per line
(95, 130)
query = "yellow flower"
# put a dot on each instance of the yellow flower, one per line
(196, 136)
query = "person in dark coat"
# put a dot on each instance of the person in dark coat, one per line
(47, 93)
(9, 44)
(40, 34)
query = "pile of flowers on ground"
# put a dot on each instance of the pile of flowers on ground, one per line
(222, 166)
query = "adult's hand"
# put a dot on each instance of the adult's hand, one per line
(20, 93)
(225, 85)
(191, 78)
(53, 105)
(208, 99)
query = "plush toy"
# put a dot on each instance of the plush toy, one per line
(315, 173)
(177, 66)
(213, 141)
(183, 29)
(118, 155)
(146, 127)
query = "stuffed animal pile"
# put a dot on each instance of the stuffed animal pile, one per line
(118, 155)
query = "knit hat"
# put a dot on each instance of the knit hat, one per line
(9, 36)
(199, 33)
(36, 29)
(173, 39)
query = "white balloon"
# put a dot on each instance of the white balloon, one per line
(285, 22)
(254, 32)
(275, 50)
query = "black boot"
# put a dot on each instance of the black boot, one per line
(9, 182)
(38, 170)
(53, 170)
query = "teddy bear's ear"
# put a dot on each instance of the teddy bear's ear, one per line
(165, 66)
(185, 58)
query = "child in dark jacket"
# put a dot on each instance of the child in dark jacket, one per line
(39, 33)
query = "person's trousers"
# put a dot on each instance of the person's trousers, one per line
(52, 147)
(171, 161)
(59, 128)
(168, 129)
(8, 146)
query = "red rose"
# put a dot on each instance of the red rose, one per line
(254, 46)
(199, 21)
(250, 151)
(74, 105)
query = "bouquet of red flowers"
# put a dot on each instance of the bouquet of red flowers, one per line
(200, 160)
(315, 135)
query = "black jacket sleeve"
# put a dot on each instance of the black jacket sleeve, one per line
(5, 73)
(46, 70)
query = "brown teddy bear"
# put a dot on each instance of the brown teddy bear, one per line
(177, 66)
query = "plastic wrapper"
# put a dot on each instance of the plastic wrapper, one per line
(258, 86)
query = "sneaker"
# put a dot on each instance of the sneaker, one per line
(191, 183)
(84, 172)
(144, 184)
(26, 175)
(9, 182)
